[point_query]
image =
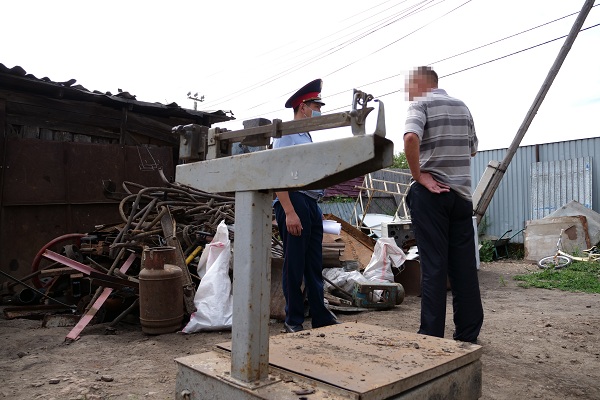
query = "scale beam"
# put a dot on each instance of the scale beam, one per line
(313, 165)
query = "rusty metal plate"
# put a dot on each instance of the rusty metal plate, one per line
(35, 172)
(374, 361)
(44, 172)
(54, 188)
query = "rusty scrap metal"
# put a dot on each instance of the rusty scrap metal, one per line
(96, 304)
(35, 290)
(170, 215)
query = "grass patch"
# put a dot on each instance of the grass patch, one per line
(577, 277)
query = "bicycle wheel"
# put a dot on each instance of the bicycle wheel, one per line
(556, 262)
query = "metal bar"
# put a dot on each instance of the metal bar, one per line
(31, 311)
(117, 282)
(169, 225)
(85, 320)
(35, 290)
(337, 120)
(49, 254)
(251, 277)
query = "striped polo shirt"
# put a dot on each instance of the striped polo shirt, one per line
(447, 138)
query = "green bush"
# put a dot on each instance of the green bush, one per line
(486, 252)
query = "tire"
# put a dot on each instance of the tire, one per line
(554, 262)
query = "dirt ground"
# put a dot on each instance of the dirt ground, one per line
(538, 344)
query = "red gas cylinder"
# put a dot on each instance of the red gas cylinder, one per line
(161, 291)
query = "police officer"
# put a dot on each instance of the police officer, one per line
(300, 222)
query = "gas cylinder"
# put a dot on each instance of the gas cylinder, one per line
(161, 291)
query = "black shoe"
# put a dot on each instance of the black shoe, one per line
(292, 329)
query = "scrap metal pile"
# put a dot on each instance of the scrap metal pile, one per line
(95, 276)
(78, 278)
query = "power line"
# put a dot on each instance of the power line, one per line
(325, 53)
(452, 73)
(397, 40)
(487, 62)
(331, 52)
(465, 52)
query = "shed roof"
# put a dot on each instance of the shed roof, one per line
(17, 78)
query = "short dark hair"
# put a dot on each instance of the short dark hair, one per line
(428, 73)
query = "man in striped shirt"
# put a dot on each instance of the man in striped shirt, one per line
(439, 141)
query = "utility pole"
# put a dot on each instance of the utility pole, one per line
(196, 99)
(482, 198)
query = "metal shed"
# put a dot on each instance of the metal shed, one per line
(540, 179)
(62, 145)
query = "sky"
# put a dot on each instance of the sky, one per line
(248, 57)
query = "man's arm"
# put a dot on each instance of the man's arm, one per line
(411, 150)
(292, 221)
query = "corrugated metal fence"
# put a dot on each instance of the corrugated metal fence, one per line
(540, 179)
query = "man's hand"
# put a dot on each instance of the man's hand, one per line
(293, 224)
(427, 180)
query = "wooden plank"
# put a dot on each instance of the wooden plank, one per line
(46, 134)
(96, 124)
(32, 312)
(358, 246)
(30, 132)
(61, 126)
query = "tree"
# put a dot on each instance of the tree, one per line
(400, 161)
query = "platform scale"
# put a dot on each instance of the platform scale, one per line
(346, 361)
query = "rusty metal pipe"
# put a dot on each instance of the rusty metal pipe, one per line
(148, 208)
(26, 296)
(162, 212)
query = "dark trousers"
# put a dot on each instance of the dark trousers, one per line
(303, 261)
(443, 227)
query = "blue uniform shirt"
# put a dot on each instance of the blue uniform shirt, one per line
(292, 140)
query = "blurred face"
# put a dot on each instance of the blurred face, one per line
(416, 85)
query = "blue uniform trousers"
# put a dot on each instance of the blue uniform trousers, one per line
(443, 227)
(303, 260)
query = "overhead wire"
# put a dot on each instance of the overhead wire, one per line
(341, 47)
(323, 54)
(289, 56)
(423, 26)
(466, 51)
(455, 72)
(397, 40)
(310, 61)
(486, 62)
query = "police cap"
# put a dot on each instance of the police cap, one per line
(309, 92)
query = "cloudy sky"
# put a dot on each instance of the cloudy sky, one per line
(249, 56)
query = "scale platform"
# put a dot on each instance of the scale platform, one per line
(345, 361)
